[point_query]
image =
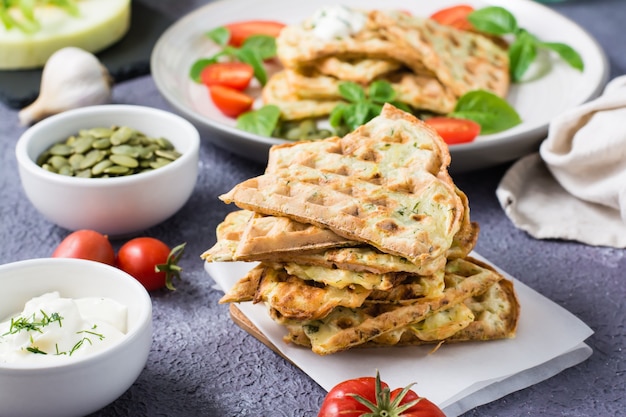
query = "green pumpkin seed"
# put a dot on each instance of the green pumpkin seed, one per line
(102, 152)
(93, 157)
(117, 170)
(103, 143)
(75, 160)
(125, 150)
(85, 173)
(61, 149)
(58, 161)
(82, 144)
(167, 154)
(159, 162)
(122, 135)
(66, 170)
(99, 132)
(124, 160)
(99, 168)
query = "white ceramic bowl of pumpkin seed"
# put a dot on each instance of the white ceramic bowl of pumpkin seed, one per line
(116, 169)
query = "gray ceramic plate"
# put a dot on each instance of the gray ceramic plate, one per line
(537, 101)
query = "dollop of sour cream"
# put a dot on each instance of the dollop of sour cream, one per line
(336, 22)
(52, 328)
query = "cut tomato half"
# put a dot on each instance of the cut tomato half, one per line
(235, 75)
(453, 130)
(455, 16)
(229, 101)
(240, 31)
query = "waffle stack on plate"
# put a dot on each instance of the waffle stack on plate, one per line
(363, 240)
(429, 65)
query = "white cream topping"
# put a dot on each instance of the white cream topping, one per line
(336, 22)
(52, 328)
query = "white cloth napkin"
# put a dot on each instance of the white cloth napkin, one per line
(575, 187)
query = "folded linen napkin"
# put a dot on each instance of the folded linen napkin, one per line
(575, 187)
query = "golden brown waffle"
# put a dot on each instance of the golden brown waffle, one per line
(385, 184)
(292, 106)
(362, 71)
(294, 292)
(418, 91)
(463, 61)
(468, 282)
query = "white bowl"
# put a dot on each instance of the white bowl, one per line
(84, 384)
(114, 206)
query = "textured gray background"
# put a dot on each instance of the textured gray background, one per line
(201, 364)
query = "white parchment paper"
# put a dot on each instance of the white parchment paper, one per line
(457, 377)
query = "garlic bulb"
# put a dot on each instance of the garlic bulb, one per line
(71, 78)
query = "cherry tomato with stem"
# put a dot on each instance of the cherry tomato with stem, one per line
(370, 396)
(240, 31)
(86, 244)
(235, 75)
(151, 262)
(229, 101)
(453, 130)
(455, 16)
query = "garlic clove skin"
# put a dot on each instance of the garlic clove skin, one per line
(71, 78)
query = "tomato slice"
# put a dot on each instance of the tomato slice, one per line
(229, 101)
(235, 75)
(240, 31)
(455, 16)
(453, 130)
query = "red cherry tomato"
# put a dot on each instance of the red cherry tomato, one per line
(229, 101)
(86, 244)
(454, 131)
(240, 31)
(455, 16)
(424, 408)
(235, 75)
(150, 261)
(342, 400)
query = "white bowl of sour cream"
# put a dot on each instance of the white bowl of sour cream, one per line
(74, 336)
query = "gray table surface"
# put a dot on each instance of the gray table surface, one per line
(203, 364)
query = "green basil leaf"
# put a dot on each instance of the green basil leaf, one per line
(261, 122)
(356, 114)
(219, 35)
(351, 91)
(381, 91)
(493, 113)
(522, 53)
(567, 54)
(199, 65)
(336, 115)
(263, 44)
(252, 57)
(494, 20)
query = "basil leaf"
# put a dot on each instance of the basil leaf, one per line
(522, 53)
(219, 35)
(252, 57)
(351, 91)
(493, 113)
(199, 65)
(357, 114)
(336, 115)
(567, 54)
(264, 45)
(261, 122)
(381, 91)
(494, 20)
